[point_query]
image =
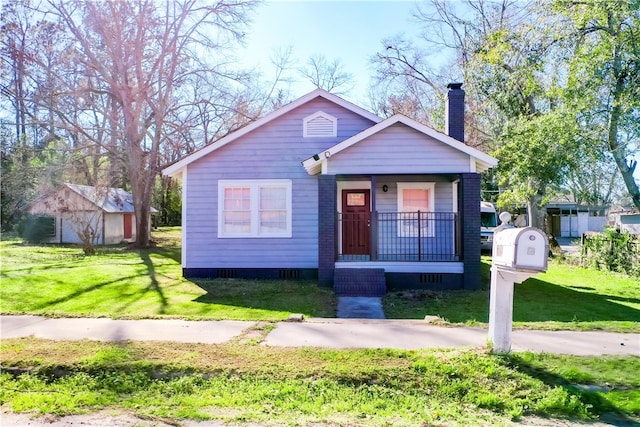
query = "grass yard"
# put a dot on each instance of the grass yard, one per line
(244, 381)
(120, 282)
(238, 382)
(565, 297)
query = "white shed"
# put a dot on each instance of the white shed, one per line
(108, 212)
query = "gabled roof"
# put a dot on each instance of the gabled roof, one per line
(482, 160)
(175, 169)
(110, 200)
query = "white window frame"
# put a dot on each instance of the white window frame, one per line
(320, 114)
(254, 191)
(428, 225)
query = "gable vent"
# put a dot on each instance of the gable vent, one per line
(320, 125)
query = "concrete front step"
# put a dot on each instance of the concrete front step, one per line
(360, 282)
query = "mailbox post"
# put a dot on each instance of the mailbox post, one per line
(518, 253)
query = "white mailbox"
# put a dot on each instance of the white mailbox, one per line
(521, 249)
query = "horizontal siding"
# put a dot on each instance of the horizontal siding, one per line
(399, 149)
(273, 151)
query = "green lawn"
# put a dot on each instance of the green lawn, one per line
(564, 297)
(243, 381)
(121, 282)
(238, 382)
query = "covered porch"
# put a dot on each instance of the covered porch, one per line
(404, 231)
(413, 236)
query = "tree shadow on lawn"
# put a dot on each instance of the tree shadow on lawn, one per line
(79, 292)
(304, 297)
(154, 286)
(534, 301)
(592, 394)
(538, 301)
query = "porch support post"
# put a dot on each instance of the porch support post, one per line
(373, 222)
(469, 203)
(327, 229)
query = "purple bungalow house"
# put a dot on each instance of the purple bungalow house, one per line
(322, 189)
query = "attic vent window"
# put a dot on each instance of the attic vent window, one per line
(320, 125)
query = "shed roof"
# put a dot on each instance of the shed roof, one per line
(110, 200)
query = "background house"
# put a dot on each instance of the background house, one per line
(571, 219)
(109, 212)
(625, 219)
(326, 190)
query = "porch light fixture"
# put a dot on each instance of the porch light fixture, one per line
(385, 188)
(316, 157)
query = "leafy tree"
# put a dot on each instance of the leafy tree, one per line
(16, 187)
(167, 199)
(604, 78)
(501, 51)
(536, 154)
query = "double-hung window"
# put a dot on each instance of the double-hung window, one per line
(416, 206)
(254, 208)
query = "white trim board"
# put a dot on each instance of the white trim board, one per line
(406, 267)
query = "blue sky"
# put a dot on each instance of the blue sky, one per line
(351, 31)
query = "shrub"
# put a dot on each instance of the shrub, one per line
(35, 228)
(612, 250)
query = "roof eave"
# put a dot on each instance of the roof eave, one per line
(312, 166)
(173, 172)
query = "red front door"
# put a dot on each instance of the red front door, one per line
(128, 227)
(356, 220)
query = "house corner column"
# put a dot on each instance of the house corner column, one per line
(327, 245)
(470, 220)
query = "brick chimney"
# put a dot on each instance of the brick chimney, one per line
(454, 122)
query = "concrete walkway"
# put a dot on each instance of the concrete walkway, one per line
(331, 333)
(360, 308)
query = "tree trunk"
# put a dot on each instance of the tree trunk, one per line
(138, 176)
(617, 150)
(537, 214)
(142, 208)
(143, 239)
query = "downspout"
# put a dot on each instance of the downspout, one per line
(103, 230)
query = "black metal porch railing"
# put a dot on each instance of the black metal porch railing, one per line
(398, 236)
